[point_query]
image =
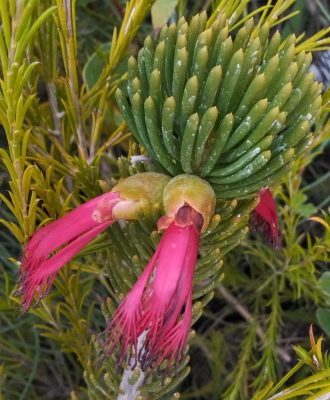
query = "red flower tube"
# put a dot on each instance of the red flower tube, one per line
(69, 234)
(160, 302)
(264, 218)
(159, 306)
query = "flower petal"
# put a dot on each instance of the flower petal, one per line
(264, 218)
(76, 229)
(171, 343)
(43, 276)
(154, 307)
(50, 237)
(124, 326)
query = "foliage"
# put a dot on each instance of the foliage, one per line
(61, 140)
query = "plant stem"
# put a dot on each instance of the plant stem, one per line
(73, 81)
(57, 115)
(243, 311)
(127, 390)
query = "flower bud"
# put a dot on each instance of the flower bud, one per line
(138, 192)
(188, 190)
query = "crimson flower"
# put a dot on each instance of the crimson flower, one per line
(160, 303)
(264, 219)
(159, 306)
(68, 235)
(73, 231)
(153, 321)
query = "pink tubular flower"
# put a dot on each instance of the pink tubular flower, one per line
(75, 230)
(153, 321)
(160, 303)
(264, 218)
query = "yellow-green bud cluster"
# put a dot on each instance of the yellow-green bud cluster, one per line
(140, 192)
(233, 109)
(193, 191)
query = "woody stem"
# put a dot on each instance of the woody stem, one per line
(129, 385)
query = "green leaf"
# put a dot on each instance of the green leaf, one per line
(295, 24)
(323, 318)
(306, 210)
(97, 61)
(263, 393)
(324, 282)
(303, 355)
(23, 43)
(161, 12)
(302, 208)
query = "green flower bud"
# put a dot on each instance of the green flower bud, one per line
(188, 190)
(139, 193)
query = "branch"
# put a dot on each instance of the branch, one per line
(57, 115)
(244, 312)
(130, 391)
(73, 81)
